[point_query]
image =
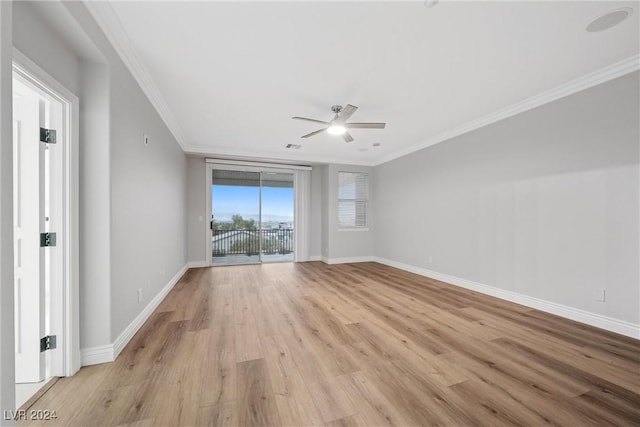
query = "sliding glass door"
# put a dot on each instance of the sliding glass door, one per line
(277, 217)
(252, 217)
(235, 223)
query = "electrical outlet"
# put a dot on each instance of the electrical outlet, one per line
(139, 295)
(600, 295)
(430, 259)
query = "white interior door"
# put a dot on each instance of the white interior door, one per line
(36, 212)
(27, 181)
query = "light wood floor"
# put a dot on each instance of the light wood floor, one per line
(346, 345)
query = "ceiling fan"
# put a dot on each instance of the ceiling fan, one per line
(339, 126)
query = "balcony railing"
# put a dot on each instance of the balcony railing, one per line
(251, 242)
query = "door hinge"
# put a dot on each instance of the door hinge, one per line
(47, 136)
(47, 343)
(47, 239)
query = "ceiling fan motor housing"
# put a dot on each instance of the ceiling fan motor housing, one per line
(336, 108)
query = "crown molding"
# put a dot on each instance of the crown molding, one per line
(597, 77)
(108, 21)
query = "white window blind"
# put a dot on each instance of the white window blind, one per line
(353, 199)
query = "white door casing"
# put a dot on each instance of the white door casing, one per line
(58, 108)
(38, 204)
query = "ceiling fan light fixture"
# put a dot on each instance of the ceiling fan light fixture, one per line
(339, 124)
(336, 130)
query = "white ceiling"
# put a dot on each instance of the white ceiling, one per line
(228, 76)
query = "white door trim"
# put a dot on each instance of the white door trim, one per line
(207, 224)
(30, 71)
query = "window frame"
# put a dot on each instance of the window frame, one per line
(355, 199)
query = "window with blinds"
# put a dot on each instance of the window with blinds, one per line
(353, 199)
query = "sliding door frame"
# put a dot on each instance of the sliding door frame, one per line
(241, 166)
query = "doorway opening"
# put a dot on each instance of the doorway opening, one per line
(45, 229)
(252, 216)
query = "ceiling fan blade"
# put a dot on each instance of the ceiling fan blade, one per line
(347, 112)
(310, 120)
(364, 125)
(313, 133)
(347, 137)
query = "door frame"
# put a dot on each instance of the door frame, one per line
(68, 290)
(244, 166)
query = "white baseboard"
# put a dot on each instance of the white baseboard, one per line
(126, 335)
(347, 260)
(197, 264)
(608, 323)
(96, 355)
(315, 258)
(108, 353)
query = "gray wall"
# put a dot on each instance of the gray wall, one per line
(95, 205)
(315, 236)
(544, 203)
(196, 209)
(324, 213)
(341, 243)
(147, 189)
(42, 43)
(148, 199)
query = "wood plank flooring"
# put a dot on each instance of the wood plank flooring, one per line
(311, 344)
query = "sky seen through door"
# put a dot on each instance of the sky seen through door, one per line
(229, 200)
